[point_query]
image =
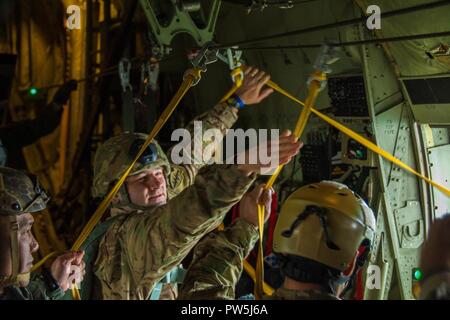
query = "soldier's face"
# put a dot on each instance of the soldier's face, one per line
(147, 188)
(27, 245)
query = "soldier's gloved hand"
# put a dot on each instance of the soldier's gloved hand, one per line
(247, 206)
(435, 255)
(251, 91)
(63, 94)
(67, 269)
(280, 151)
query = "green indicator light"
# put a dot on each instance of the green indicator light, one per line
(33, 91)
(418, 274)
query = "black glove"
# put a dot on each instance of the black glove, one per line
(63, 94)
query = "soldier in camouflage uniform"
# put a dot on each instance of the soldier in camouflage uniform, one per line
(322, 237)
(21, 195)
(147, 236)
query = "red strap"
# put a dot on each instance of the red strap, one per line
(359, 291)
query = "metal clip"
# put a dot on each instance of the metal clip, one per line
(257, 4)
(149, 76)
(205, 56)
(288, 5)
(327, 56)
(124, 74)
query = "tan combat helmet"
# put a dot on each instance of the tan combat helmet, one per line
(19, 193)
(116, 154)
(325, 222)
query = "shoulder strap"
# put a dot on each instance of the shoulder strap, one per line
(90, 247)
(175, 276)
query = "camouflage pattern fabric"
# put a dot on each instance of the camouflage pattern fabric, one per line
(19, 190)
(178, 177)
(217, 263)
(141, 247)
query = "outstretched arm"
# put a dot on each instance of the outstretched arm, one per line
(219, 257)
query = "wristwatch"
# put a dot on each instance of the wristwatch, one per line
(50, 282)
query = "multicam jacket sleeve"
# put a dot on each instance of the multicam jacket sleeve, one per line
(140, 248)
(221, 118)
(218, 262)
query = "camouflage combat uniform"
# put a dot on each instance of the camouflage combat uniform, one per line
(142, 245)
(20, 193)
(217, 263)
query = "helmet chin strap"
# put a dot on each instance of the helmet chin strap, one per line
(344, 276)
(125, 201)
(16, 278)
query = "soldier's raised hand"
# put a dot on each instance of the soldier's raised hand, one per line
(248, 204)
(68, 268)
(252, 91)
(279, 151)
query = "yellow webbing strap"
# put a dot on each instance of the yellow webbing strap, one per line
(365, 142)
(236, 75)
(373, 147)
(313, 92)
(268, 290)
(191, 75)
(42, 261)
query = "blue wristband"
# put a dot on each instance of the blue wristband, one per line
(238, 101)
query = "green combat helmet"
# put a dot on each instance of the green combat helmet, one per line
(116, 154)
(325, 223)
(19, 193)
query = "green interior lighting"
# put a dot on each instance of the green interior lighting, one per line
(33, 91)
(418, 274)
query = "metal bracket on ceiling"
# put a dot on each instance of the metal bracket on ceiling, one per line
(180, 21)
(205, 56)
